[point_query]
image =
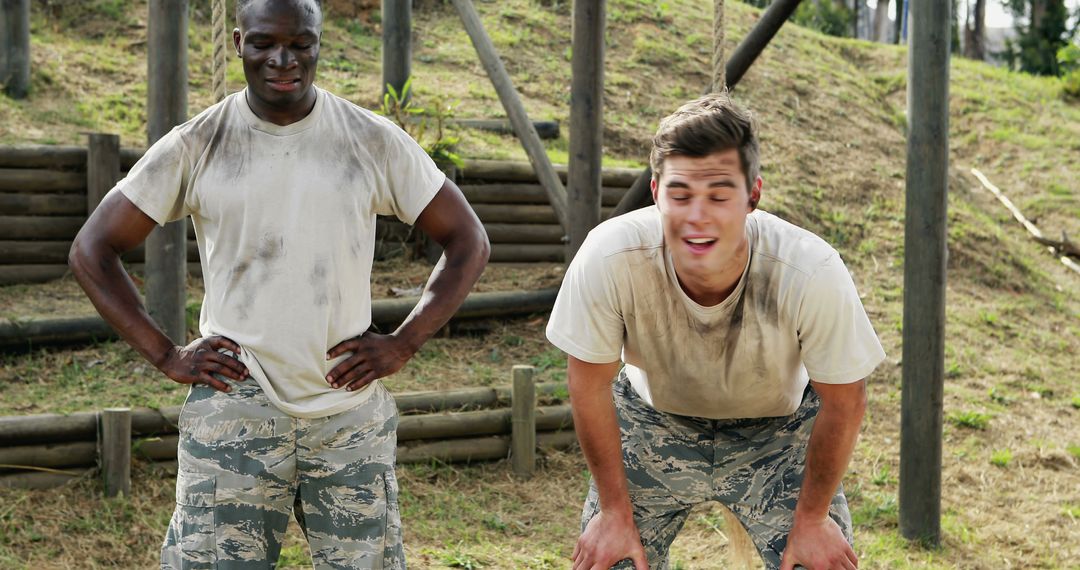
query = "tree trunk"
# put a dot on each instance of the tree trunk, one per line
(881, 22)
(975, 32)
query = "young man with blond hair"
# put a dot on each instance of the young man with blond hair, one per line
(739, 349)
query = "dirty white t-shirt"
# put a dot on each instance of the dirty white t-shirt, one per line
(285, 222)
(794, 315)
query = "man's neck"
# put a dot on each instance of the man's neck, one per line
(282, 116)
(712, 288)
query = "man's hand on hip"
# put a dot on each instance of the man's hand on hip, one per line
(198, 362)
(818, 545)
(373, 356)
(608, 540)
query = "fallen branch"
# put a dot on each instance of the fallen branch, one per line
(1062, 249)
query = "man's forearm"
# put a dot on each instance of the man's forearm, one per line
(451, 280)
(113, 294)
(832, 443)
(597, 429)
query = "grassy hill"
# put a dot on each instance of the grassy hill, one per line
(832, 118)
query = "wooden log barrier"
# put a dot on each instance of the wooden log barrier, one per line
(41, 180)
(43, 479)
(526, 252)
(31, 252)
(42, 205)
(518, 171)
(517, 193)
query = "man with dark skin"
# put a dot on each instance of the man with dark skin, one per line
(283, 181)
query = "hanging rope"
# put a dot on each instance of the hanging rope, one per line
(719, 82)
(221, 51)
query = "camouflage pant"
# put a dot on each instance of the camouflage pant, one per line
(245, 466)
(752, 466)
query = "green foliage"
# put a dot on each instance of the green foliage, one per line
(1001, 457)
(1068, 59)
(1037, 44)
(971, 420)
(425, 125)
(827, 16)
(1076, 402)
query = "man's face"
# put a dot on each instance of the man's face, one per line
(279, 43)
(703, 203)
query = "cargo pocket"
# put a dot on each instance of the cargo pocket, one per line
(190, 542)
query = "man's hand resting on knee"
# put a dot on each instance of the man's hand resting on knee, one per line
(818, 545)
(607, 540)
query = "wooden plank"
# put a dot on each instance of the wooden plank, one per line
(509, 193)
(42, 205)
(526, 253)
(102, 167)
(41, 180)
(524, 233)
(51, 455)
(517, 213)
(523, 421)
(43, 479)
(55, 252)
(515, 110)
(14, 274)
(40, 227)
(53, 157)
(517, 171)
(15, 54)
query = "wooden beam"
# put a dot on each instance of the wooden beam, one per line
(586, 122)
(514, 109)
(167, 89)
(15, 54)
(114, 443)
(523, 421)
(923, 374)
(396, 44)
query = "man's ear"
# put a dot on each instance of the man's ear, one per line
(655, 190)
(236, 37)
(755, 193)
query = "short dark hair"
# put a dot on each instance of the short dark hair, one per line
(242, 5)
(713, 123)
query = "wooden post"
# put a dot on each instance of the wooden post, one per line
(396, 44)
(586, 123)
(523, 422)
(748, 50)
(166, 248)
(114, 443)
(923, 376)
(511, 102)
(15, 54)
(102, 167)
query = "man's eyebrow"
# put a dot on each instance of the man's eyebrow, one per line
(677, 184)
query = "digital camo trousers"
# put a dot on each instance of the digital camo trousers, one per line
(752, 466)
(244, 466)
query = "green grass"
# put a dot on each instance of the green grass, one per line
(969, 419)
(1001, 458)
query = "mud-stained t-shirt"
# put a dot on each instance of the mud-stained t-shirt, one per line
(285, 222)
(794, 316)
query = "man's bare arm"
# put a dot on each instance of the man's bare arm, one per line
(450, 221)
(815, 540)
(117, 226)
(611, 535)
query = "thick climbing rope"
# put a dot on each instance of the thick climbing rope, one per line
(220, 56)
(719, 82)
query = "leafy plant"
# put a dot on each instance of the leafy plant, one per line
(1001, 457)
(971, 420)
(426, 125)
(1068, 59)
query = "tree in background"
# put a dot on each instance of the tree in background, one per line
(975, 30)
(831, 17)
(1042, 28)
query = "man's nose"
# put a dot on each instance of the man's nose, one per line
(282, 58)
(696, 212)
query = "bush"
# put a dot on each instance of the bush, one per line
(1068, 59)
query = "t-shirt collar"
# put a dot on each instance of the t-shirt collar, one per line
(280, 130)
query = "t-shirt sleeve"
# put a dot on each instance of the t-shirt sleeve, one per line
(158, 182)
(410, 177)
(838, 343)
(586, 321)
